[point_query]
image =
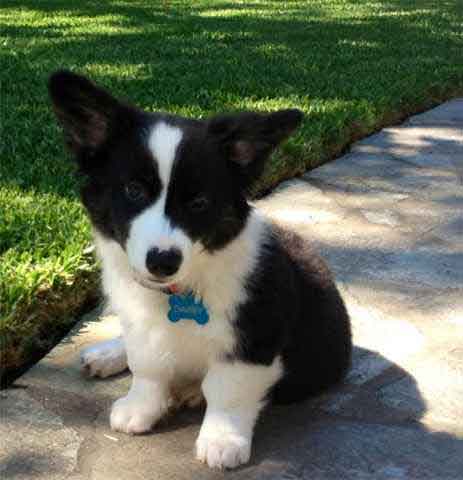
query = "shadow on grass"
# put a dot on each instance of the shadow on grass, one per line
(347, 71)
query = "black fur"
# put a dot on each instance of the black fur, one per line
(294, 308)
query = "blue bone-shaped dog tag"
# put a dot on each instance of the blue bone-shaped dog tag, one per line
(186, 307)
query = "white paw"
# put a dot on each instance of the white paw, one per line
(104, 359)
(130, 415)
(226, 451)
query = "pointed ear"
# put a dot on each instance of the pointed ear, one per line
(247, 139)
(85, 111)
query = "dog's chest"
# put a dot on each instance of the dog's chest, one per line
(153, 341)
(182, 347)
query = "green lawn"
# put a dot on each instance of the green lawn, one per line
(351, 66)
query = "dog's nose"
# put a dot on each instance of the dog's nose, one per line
(163, 263)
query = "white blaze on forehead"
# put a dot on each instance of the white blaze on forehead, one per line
(163, 142)
(151, 228)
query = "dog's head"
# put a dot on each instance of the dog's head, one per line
(160, 184)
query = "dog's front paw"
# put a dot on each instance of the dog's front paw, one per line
(131, 415)
(224, 451)
(104, 359)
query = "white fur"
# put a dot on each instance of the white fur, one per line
(184, 347)
(234, 393)
(141, 408)
(163, 355)
(104, 359)
(151, 228)
(163, 142)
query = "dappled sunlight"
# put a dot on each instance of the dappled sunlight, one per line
(359, 43)
(295, 216)
(243, 8)
(393, 338)
(438, 385)
(106, 328)
(30, 20)
(118, 70)
(422, 138)
(456, 317)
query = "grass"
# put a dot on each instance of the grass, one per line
(350, 65)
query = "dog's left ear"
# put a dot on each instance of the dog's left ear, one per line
(247, 139)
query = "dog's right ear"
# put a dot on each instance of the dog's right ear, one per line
(85, 111)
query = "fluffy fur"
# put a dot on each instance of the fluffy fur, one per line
(167, 199)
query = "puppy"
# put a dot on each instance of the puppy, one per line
(208, 291)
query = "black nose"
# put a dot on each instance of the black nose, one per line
(163, 263)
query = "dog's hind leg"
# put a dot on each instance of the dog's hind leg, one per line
(104, 358)
(189, 395)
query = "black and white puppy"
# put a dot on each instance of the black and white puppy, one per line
(167, 199)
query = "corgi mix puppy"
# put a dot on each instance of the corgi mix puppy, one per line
(213, 298)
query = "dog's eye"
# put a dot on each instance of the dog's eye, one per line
(198, 204)
(135, 192)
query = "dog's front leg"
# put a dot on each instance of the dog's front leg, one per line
(141, 408)
(235, 393)
(148, 397)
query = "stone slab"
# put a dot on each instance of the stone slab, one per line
(35, 441)
(448, 113)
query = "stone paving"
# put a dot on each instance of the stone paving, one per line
(388, 217)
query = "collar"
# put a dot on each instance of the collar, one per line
(171, 289)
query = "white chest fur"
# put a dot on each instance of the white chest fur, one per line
(158, 347)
